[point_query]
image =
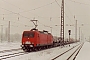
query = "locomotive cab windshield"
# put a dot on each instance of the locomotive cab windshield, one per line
(28, 34)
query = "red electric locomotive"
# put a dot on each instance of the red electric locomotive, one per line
(36, 40)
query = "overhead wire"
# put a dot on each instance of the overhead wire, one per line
(16, 13)
(70, 13)
(12, 4)
(21, 27)
(85, 4)
(31, 10)
(38, 7)
(79, 2)
(34, 8)
(3, 19)
(57, 3)
(17, 23)
(69, 9)
(43, 24)
(26, 11)
(64, 12)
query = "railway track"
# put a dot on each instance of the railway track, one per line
(10, 50)
(12, 55)
(74, 53)
(5, 56)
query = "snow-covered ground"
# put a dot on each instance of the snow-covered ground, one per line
(84, 53)
(47, 54)
(8, 46)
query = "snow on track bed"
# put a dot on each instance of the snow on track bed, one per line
(67, 55)
(75, 53)
(10, 50)
(8, 46)
(44, 54)
(12, 55)
(84, 53)
(7, 49)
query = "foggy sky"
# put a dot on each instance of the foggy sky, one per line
(43, 10)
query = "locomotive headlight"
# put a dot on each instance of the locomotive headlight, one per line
(23, 43)
(27, 42)
(32, 43)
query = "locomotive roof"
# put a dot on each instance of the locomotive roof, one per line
(44, 31)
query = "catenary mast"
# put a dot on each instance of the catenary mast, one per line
(62, 23)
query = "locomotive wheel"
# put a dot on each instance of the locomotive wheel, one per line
(26, 50)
